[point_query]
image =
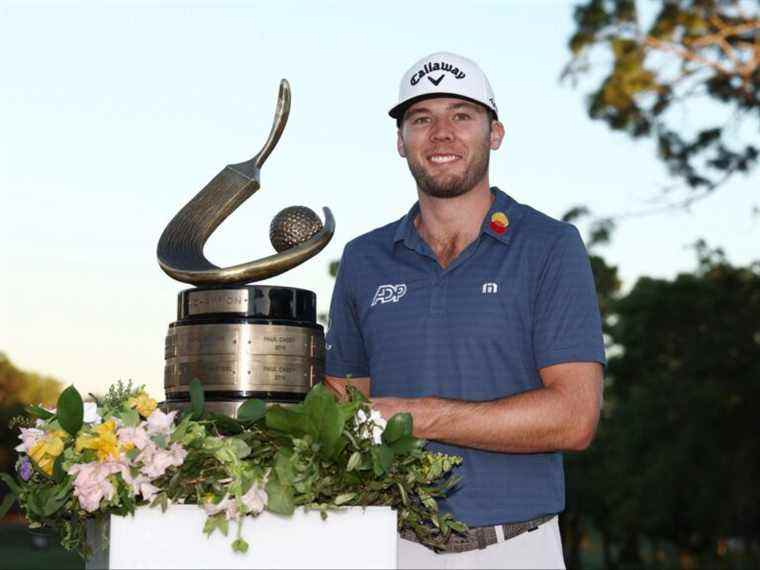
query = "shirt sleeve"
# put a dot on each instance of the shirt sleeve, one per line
(344, 345)
(567, 326)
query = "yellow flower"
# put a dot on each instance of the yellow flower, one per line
(104, 443)
(47, 449)
(142, 403)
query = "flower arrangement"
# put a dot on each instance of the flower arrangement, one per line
(87, 460)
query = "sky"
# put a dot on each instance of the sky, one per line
(114, 115)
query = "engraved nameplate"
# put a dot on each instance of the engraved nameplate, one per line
(221, 301)
(244, 338)
(247, 373)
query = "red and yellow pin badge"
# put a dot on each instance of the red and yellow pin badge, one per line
(499, 222)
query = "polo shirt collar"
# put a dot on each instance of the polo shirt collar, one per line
(502, 204)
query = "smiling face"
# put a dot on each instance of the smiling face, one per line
(446, 142)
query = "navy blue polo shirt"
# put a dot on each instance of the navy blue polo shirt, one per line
(513, 302)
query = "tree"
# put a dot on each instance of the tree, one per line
(695, 56)
(676, 460)
(17, 389)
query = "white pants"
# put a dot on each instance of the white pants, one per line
(541, 548)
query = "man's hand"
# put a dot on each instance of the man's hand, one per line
(339, 386)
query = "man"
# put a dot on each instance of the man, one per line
(477, 315)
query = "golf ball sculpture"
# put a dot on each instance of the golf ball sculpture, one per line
(293, 226)
(240, 340)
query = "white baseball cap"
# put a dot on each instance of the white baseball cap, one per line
(441, 74)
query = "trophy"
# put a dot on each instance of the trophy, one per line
(240, 340)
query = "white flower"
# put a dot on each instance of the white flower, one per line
(378, 427)
(160, 423)
(227, 504)
(91, 415)
(255, 499)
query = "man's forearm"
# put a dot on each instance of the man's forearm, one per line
(545, 419)
(562, 415)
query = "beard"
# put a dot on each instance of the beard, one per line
(451, 185)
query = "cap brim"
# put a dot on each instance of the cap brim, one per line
(398, 111)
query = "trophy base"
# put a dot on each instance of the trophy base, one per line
(253, 341)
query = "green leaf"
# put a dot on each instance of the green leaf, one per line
(34, 504)
(130, 417)
(348, 409)
(225, 424)
(404, 495)
(427, 500)
(39, 412)
(344, 498)
(283, 466)
(58, 473)
(218, 521)
(382, 459)
(398, 426)
(197, 399)
(240, 545)
(292, 421)
(354, 461)
(356, 395)
(239, 447)
(322, 410)
(11, 482)
(70, 410)
(252, 411)
(279, 497)
(6, 504)
(52, 499)
(406, 444)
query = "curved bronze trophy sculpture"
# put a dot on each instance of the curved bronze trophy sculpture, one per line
(242, 341)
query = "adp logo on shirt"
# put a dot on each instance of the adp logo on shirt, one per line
(389, 294)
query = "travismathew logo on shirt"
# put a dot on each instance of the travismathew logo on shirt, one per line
(432, 67)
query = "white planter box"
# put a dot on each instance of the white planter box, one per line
(351, 538)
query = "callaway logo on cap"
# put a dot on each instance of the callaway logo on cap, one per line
(444, 74)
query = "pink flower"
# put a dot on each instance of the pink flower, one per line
(160, 423)
(91, 482)
(140, 484)
(29, 437)
(178, 453)
(136, 436)
(147, 490)
(156, 460)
